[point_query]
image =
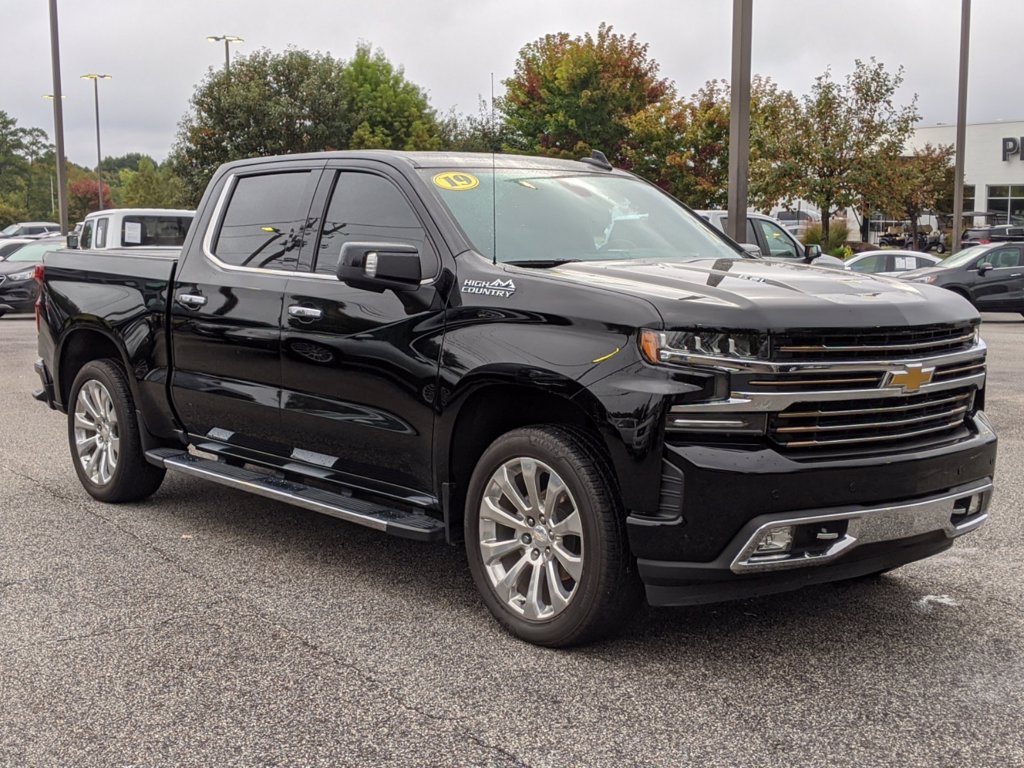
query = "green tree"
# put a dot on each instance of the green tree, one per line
(848, 134)
(388, 111)
(151, 187)
(569, 95)
(13, 165)
(298, 101)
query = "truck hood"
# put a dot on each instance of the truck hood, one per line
(765, 295)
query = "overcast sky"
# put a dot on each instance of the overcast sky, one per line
(157, 50)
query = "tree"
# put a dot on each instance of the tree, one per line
(13, 166)
(847, 135)
(151, 187)
(683, 146)
(387, 111)
(569, 95)
(921, 182)
(297, 101)
(82, 198)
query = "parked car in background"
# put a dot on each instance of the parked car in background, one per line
(11, 244)
(991, 277)
(773, 239)
(18, 288)
(890, 262)
(33, 229)
(133, 228)
(1001, 233)
(797, 222)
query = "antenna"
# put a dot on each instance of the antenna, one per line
(494, 182)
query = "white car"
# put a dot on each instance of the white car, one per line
(890, 263)
(10, 244)
(773, 240)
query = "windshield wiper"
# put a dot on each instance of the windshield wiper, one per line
(543, 263)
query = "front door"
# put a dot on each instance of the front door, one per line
(359, 368)
(1002, 287)
(226, 307)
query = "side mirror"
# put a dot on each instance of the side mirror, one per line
(72, 240)
(752, 248)
(811, 252)
(984, 267)
(379, 267)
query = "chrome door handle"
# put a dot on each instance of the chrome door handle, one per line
(191, 300)
(305, 313)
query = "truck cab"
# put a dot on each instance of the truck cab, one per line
(132, 228)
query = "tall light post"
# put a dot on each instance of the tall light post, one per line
(739, 119)
(227, 40)
(58, 120)
(961, 128)
(99, 157)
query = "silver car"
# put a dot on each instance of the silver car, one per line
(890, 263)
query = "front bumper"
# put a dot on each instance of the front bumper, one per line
(729, 493)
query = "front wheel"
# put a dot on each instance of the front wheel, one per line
(104, 436)
(545, 538)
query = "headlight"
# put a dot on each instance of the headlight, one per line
(28, 274)
(660, 347)
(925, 279)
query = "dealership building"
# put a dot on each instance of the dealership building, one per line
(993, 165)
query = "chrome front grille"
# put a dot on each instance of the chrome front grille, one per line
(877, 421)
(877, 344)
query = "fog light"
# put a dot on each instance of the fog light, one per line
(775, 541)
(975, 506)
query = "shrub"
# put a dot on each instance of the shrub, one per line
(837, 234)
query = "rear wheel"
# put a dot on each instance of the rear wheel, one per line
(104, 436)
(545, 538)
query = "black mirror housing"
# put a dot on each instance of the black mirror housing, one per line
(72, 240)
(380, 267)
(984, 267)
(811, 252)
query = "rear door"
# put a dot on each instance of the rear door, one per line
(359, 368)
(226, 305)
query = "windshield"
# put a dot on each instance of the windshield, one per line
(34, 251)
(963, 257)
(9, 230)
(557, 216)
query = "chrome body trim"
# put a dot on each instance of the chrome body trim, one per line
(865, 526)
(834, 366)
(779, 401)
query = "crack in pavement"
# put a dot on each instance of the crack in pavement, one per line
(247, 607)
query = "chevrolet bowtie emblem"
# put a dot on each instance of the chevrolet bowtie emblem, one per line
(911, 379)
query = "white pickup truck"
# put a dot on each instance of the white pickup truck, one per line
(133, 228)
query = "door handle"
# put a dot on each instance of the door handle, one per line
(305, 313)
(191, 300)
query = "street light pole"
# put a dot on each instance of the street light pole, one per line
(227, 40)
(739, 119)
(99, 157)
(58, 120)
(961, 128)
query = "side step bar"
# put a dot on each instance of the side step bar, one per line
(409, 525)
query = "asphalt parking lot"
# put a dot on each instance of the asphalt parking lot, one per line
(209, 627)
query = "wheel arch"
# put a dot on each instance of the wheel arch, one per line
(493, 406)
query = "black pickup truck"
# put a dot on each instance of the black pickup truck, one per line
(552, 361)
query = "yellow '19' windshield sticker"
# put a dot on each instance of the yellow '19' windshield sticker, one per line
(455, 181)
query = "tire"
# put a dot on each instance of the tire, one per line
(101, 417)
(559, 571)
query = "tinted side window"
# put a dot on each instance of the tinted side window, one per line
(101, 232)
(875, 263)
(366, 208)
(1004, 257)
(85, 241)
(751, 236)
(154, 230)
(264, 221)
